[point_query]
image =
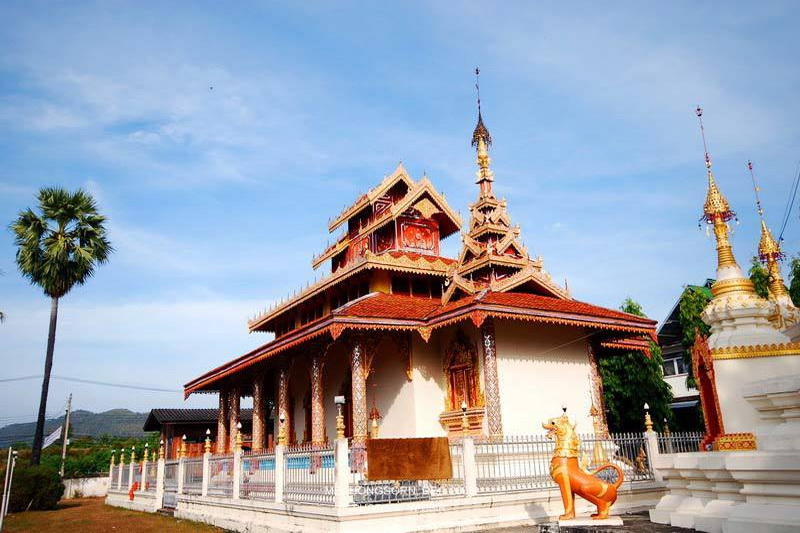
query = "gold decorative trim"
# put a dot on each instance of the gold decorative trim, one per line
(726, 286)
(757, 350)
(734, 442)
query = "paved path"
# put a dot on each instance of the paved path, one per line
(632, 523)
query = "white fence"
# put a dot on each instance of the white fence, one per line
(334, 474)
(308, 474)
(257, 479)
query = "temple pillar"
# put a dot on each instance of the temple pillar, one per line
(222, 423)
(491, 382)
(317, 400)
(598, 402)
(283, 401)
(234, 403)
(259, 412)
(359, 391)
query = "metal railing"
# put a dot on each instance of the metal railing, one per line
(115, 476)
(257, 481)
(365, 492)
(171, 474)
(193, 476)
(137, 474)
(513, 463)
(220, 475)
(681, 442)
(150, 477)
(308, 474)
(126, 475)
(522, 463)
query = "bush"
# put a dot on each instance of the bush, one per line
(35, 488)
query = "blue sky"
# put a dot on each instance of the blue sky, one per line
(218, 198)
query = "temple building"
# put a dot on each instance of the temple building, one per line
(417, 343)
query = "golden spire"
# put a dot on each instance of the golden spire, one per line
(716, 210)
(482, 140)
(769, 249)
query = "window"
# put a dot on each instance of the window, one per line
(674, 366)
(400, 285)
(419, 287)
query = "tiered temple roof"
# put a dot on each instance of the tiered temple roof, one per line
(387, 274)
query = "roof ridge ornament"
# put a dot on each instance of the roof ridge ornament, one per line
(769, 251)
(481, 140)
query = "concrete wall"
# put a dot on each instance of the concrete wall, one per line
(678, 385)
(86, 487)
(738, 415)
(542, 367)
(388, 387)
(428, 384)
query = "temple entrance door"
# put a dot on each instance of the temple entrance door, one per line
(462, 387)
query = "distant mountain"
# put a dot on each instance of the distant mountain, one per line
(115, 423)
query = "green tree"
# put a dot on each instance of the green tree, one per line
(631, 379)
(759, 277)
(794, 280)
(58, 248)
(693, 300)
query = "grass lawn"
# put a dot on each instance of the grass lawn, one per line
(90, 515)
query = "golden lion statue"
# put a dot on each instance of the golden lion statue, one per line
(571, 479)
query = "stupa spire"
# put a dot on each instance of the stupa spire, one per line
(769, 249)
(717, 212)
(481, 141)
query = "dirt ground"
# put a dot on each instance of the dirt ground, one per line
(90, 515)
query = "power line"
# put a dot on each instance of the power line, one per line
(790, 202)
(94, 382)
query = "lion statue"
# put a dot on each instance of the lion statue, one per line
(571, 479)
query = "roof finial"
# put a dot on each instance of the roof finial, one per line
(769, 250)
(481, 140)
(717, 212)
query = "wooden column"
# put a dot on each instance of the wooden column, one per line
(491, 382)
(234, 403)
(359, 390)
(222, 422)
(317, 400)
(283, 400)
(259, 411)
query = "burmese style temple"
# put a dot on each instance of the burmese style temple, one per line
(410, 337)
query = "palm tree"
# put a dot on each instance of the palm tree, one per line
(57, 249)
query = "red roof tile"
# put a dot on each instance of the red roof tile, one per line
(393, 306)
(546, 303)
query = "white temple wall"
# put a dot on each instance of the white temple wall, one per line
(731, 375)
(428, 385)
(389, 388)
(335, 373)
(299, 384)
(540, 368)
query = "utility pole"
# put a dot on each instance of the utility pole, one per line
(66, 435)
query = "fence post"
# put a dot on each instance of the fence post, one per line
(181, 467)
(119, 472)
(206, 473)
(279, 478)
(143, 476)
(160, 471)
(651, 441)
(341, 472)
(470, 467)
(237, 472)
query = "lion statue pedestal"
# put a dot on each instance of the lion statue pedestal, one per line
(572, 480)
